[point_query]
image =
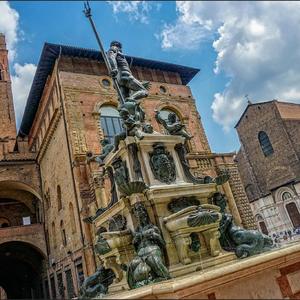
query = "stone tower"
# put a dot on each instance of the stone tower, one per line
(7, 115)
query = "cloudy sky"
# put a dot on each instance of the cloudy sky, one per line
(242, 48)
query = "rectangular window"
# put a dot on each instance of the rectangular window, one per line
(80, 273)
(111, 126)
(26, 220)
(53, 288)
(70, 286)
(60, 285)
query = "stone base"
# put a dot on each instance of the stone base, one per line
(271, 275)
(208, 262)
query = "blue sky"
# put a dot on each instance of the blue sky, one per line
(232, 45)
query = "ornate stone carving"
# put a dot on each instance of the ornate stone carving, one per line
(148, 266)
(202, 217)
(178, 204)
(185, 225)
(181, 151)
(162, 164)
(121, 175)
(133, 187)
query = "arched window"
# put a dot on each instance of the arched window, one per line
(286, 196)
(262, 225)
(59, 202)
(110, 122)
(72, 217)
(293, 214)
(265, 143)
(53, 235)
(63, 233)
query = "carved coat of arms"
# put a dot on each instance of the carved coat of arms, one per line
(162, 164)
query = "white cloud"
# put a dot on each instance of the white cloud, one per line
(137, 10)
(256, 44)
(22, 75)
(21, 83)
(9, 26)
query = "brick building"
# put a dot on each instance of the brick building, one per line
(269, 163)
(47, 188)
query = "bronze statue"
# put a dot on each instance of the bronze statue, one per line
(233, 238)
(120, 172)
(148, 266)
(107, 147)
(172, 125)
(121, 71)
(96, 285)
(162, 164)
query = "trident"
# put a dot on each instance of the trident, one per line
(88, 14)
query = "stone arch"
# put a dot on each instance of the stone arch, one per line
(261, 223)
(20, 192)
(97, 107)
(97, 114)
(280, 192)
(18, 185)
(21, 270)
(293, 213)
(4, 222)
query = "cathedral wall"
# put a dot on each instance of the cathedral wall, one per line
(273, 170)
(293, 130)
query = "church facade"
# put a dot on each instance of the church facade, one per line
(47, 187)
(269, 164)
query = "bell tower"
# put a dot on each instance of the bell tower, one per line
(7, 114)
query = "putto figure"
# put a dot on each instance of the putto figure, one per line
(172, 125)
(131, 88)
(107, 147)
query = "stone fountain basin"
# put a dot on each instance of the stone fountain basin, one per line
(178, 221)
(118, 239)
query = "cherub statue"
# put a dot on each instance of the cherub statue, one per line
(172, 125)
(107, 147)
(148, 266)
